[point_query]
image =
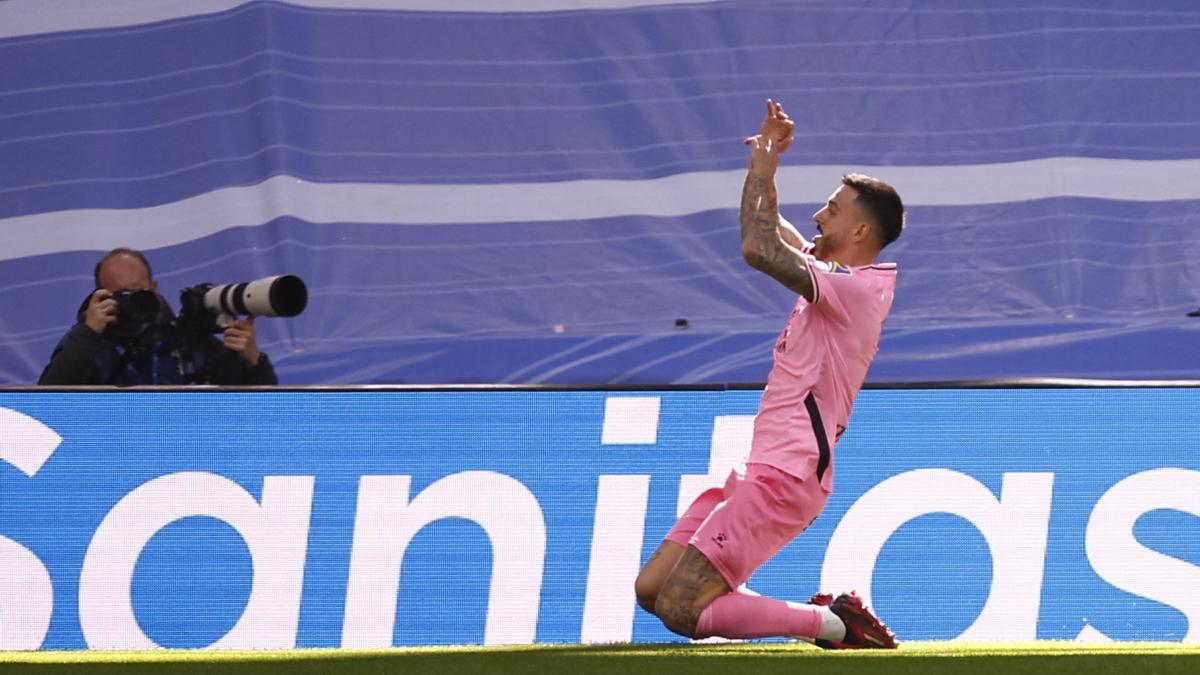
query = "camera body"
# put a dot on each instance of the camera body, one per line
(136, 307)
(136, 310)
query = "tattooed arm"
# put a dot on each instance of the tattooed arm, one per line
(781, 130)
(763, 245)
(791, 236)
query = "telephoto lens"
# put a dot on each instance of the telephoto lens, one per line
(282, 295)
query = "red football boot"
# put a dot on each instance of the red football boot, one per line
(863, 629)
(824, 599)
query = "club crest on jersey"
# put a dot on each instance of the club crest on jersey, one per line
(830, 267)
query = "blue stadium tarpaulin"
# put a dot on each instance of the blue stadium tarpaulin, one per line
(545, 191)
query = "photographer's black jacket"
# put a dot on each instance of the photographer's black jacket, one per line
(163, 354)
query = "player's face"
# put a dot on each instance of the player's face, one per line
(125, 273)
(836, 222)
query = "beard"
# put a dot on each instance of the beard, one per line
(826, 247)
(821, 247)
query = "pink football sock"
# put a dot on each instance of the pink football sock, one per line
(735, 615)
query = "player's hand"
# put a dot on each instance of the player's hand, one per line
(778, 127)
(240, 338)
(101, 311)
(764, 158)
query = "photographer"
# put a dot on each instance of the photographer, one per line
(120, 341)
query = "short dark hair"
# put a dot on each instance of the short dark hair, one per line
(881, 203)
(116, 252)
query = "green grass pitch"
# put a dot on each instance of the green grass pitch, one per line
(925, 658)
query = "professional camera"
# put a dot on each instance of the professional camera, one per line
(210, 308)
(136, 307)
(135, 311)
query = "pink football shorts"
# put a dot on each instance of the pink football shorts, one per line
(739, 527)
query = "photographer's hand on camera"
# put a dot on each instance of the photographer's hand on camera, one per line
(101, 311)
(240, 338)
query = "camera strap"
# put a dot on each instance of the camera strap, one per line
(127, 363)
(124, 359)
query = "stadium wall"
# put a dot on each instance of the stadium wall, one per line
(371, 517)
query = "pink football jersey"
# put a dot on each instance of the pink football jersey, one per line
(821, 361)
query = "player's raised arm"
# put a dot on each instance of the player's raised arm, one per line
(763, 245)
(780, 128)
(791, 236)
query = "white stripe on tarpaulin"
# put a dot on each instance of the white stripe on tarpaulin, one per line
(679, 195)
(35, 17)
